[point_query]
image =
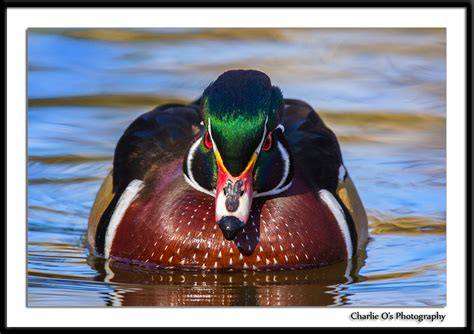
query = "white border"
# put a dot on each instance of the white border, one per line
(18, 20)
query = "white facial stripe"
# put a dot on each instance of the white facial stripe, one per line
(259, 147)
(127, 197)
(189, 164)
(189, 161)
(242, 212)
(286, 171)
(198, 187)
(280, 126)
(286, 158)
(338, 213)
(274, 191)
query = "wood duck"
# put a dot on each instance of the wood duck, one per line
(241, 179)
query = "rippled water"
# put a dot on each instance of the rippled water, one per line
(382, 91)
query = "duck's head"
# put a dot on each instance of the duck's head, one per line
(241, 153)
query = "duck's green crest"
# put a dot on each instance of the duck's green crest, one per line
(237, 106)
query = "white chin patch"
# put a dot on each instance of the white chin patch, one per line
(242, 211)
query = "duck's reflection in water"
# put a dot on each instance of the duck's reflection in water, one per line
(137, 286)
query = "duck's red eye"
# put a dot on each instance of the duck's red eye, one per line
(267, 144)
(207, 140)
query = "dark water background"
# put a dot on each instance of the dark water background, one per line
(381, 90)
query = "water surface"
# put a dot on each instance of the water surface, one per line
(381, 90)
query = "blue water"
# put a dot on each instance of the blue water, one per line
(398, 164)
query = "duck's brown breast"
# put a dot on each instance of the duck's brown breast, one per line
(171, 225)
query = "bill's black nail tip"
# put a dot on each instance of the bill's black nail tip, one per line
(230, 226)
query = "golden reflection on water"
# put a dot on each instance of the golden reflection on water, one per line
(133, 285)
(148, 287)
(406, 225)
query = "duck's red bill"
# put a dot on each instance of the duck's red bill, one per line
(233, 197)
